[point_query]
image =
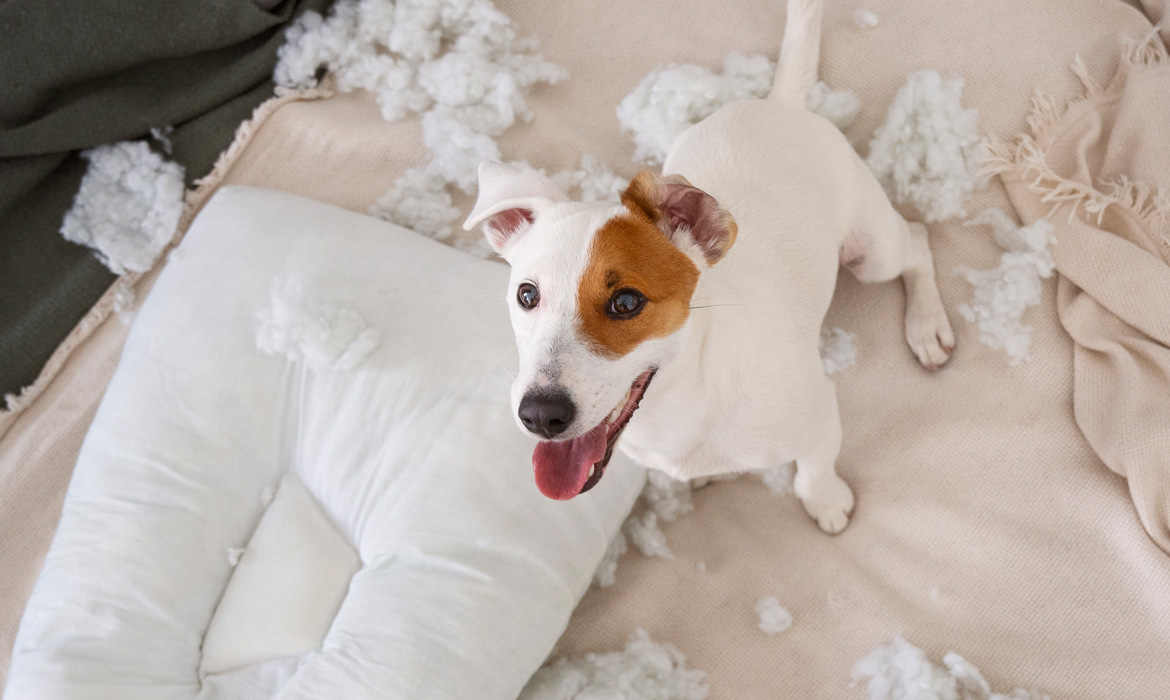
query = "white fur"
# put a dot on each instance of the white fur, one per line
(741, 386)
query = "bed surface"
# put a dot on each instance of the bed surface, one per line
(985, 523)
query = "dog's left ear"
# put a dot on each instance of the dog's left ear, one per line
(685, 213)
(509, 201)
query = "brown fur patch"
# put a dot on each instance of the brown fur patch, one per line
(660, 200)
(630, 252)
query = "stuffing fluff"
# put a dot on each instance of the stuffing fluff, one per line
(460, 64)
(419, 201)
(234, 554)
(838, 351)
(773, 618)
(127, 207)
(899, 670)
(866, 19)
(928, 151)
(779, 479)
(643, 532)
(320, 335)
(593, 181)
(1002, 295)
(124, 298)
(665, 499)
(606, 573)
(673, 97)
(644, 671)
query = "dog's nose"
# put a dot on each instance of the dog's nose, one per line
(547, 412)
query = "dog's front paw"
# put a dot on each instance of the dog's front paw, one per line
(929, 334)
(829, 501)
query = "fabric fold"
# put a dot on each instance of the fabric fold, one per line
(1099, 171)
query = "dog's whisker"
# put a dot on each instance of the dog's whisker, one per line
(709, 306)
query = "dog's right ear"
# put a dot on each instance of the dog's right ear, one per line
(509, 201)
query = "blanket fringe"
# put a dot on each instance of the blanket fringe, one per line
(193, 201)
(1025, 158)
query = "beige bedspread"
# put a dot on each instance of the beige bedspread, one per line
(985, 521)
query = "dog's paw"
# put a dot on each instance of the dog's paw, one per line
(829, 502)
(928, 331)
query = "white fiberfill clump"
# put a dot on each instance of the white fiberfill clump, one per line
(673, 97)
(665, 499)
(644, 671)
(901, 671)
(928, 151)
(322, 336)
(460, 64)
(127, 207)
(1003, 294)
(838, 351)
(779, 479)
(591, 182)
(419, 201)
(773, 618)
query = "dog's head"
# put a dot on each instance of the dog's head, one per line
(598, 295)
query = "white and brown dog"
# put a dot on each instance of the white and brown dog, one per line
(601, 296)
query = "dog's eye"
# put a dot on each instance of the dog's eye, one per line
(625, 303)
(528, 295)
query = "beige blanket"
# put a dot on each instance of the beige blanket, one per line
(985, 521)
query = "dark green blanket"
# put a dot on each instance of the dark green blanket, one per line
(77, 74)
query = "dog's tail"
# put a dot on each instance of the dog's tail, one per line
(799, 53)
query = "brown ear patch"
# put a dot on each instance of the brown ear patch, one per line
(631, 252)
(674, 205)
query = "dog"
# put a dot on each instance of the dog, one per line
(710, 282)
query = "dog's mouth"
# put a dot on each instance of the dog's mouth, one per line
(567, 468)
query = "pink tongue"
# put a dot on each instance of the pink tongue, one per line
(562, 468)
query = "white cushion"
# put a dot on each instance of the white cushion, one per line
(408, 464)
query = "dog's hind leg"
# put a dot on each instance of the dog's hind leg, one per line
(826, 496)
(881, 246)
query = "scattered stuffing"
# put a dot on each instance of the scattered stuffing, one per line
(643, 532)
(866, 19)
(419, 201)
(779, 479)
(700, 566)
(162, 135)
(668, 498)
(593, 181)
(928, 152)
(934, 595)
(838, 106)
(773, 618)
(673, 97)
(899, 670)
(460, 64)
(1002, 295)
(127, 207)
(606, 573)
(644, 671)
(665, 499)
(838, 352)
(124, 298)
(321, 335)
(234, 554)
